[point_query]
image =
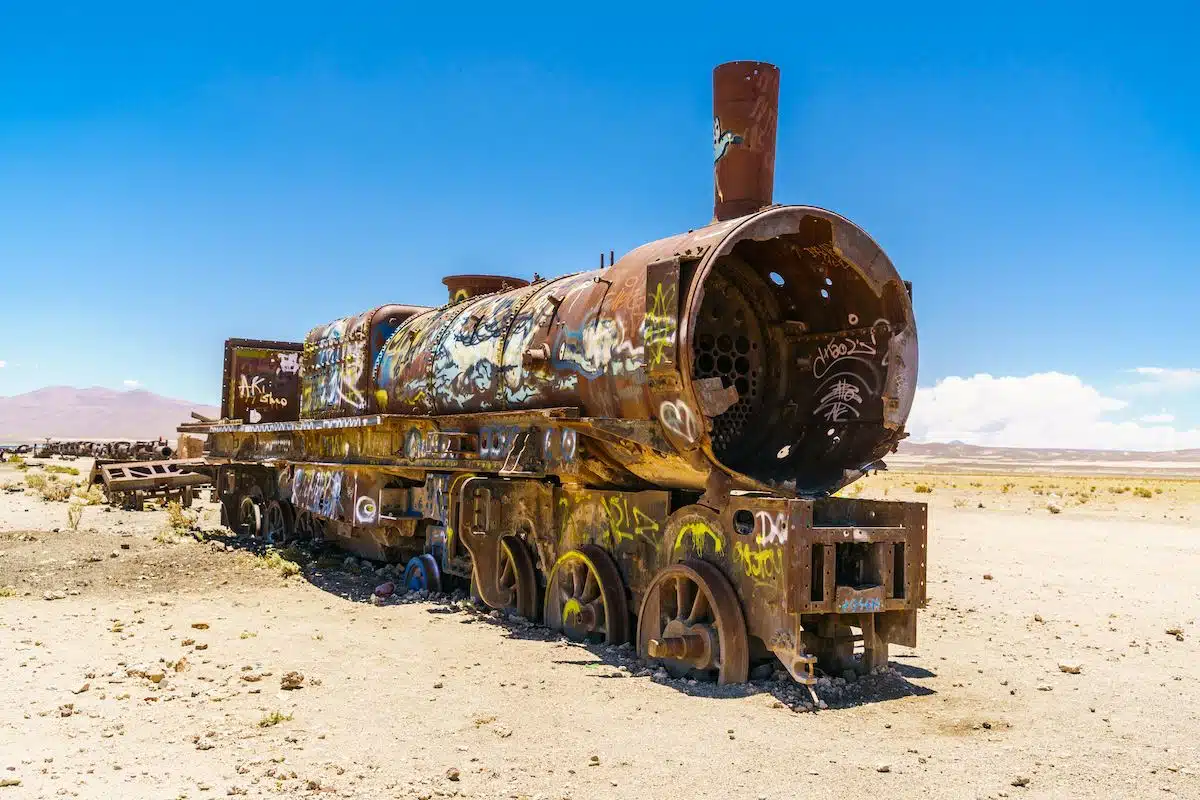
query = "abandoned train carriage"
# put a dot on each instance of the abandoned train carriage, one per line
(643, 452)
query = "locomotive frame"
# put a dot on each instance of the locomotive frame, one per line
(646, 453)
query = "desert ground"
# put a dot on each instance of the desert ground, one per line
(1057, 658)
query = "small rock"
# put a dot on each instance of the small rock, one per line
(54, 596)
(987, 576)
(201, 646)
(81, 689)
(762, 672)
(437, 685)
(291, 680)
(155, 675)
(594, 761)
(200, 626)
(187, 643)
(1038, 618)
(7, 781)
(385, 589)
(1176, 632)
(883, 767)
(1044, 687)
(1020, 780)
(1054, 508)
(1070, 667)
(452, 773)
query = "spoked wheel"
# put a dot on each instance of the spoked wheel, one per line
(516, 578)
(277, 525)
(585, 598)
(248, 519)
(308, 526)
(691, 620)
(422, 574)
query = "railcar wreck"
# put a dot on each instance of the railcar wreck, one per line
(644, 452)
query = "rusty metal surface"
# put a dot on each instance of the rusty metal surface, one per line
(745, 115)
(464, 287)
(661, 435)
(261, 381)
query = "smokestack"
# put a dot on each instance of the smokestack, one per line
(745, 113)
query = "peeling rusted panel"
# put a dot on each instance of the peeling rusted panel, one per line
(261, 381)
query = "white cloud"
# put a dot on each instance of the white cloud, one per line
(1157, 419)
(129, 383)
(1049, 409)
(3, 364)
(1158, 380)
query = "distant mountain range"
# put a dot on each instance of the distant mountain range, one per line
(972, 452)
(64, 412)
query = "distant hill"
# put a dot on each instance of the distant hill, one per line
(965, 458)
(64, 412)
(955, 450)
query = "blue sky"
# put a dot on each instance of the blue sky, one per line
(169, 178)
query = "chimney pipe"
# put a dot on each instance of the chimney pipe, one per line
(745, 113)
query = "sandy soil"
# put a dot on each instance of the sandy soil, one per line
(156, 672)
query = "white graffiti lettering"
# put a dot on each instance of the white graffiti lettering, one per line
(770, 528)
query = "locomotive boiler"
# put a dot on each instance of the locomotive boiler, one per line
(649, 451)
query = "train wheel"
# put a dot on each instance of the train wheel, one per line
(691, 620)
(585, 598)
(248, 518)
(422, 574)
(309, 527)
(277, 525)
(517, 579)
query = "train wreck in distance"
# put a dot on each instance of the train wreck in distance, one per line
(644, 452)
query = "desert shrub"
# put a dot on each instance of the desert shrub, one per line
(55, 492)
(923, 488)
(60, 470)
(36, 481)
(74, 514)
(91, 495)
(1142, 491)
(1007, 487)
(178, 519)
(274, 718)
(273, 560)
(7, 591)
(18, 462)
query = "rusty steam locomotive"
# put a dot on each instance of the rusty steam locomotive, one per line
(645, 452)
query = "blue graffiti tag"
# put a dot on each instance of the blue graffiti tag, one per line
(860, 605)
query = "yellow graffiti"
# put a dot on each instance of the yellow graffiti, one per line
(381, 397)
(461, 294)
(660, 324)
(571, 609)
(699, 532)
(760, 566)
(623, 520)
